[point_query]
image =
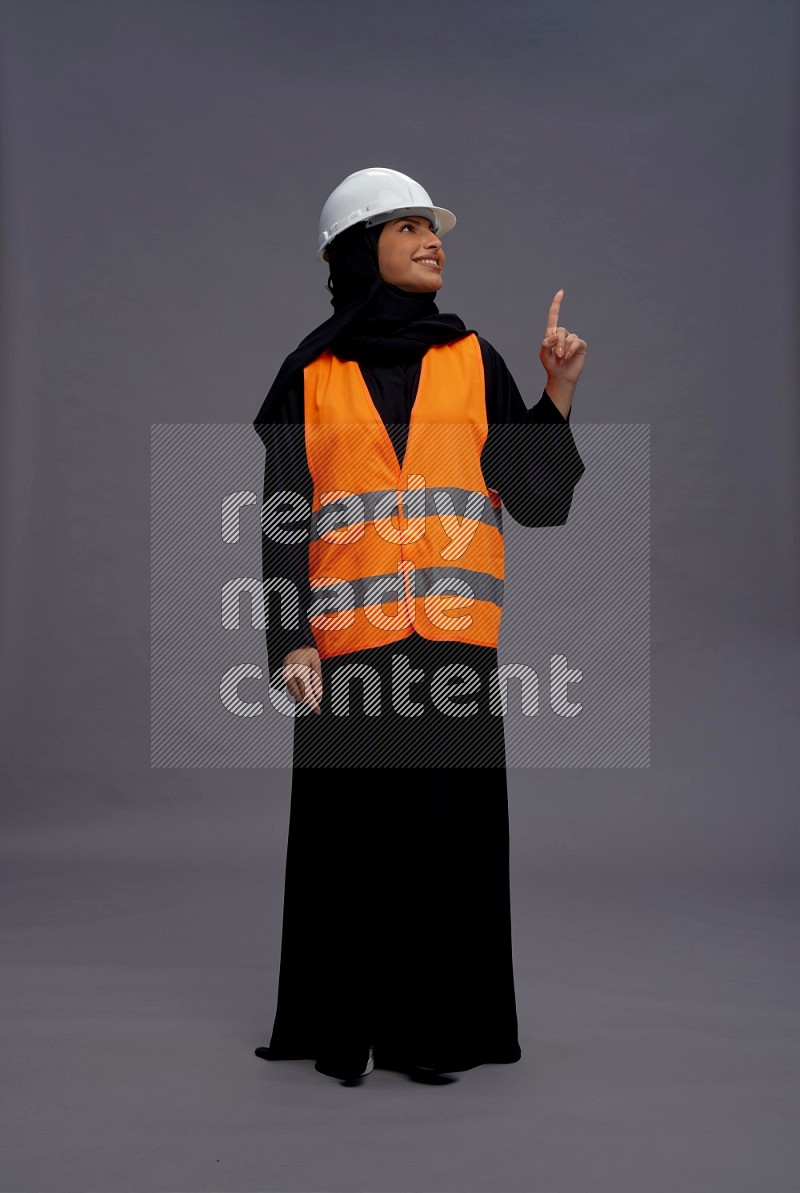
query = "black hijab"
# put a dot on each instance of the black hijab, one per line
(373, 322)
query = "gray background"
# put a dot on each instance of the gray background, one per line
(163, 170)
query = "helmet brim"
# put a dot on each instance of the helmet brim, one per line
(444, 220)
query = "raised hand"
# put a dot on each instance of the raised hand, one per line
(563, 353)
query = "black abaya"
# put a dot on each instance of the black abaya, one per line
(396, 929)
(396, 923)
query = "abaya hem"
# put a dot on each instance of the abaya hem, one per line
(398, 1063)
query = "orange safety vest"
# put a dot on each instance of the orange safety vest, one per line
(393, 549)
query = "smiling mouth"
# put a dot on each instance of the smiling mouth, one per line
(428, 261)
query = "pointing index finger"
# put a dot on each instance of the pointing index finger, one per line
(552, 314)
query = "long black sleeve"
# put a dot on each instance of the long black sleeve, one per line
(288, 486)
(530, 456)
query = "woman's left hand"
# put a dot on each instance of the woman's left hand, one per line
(563, 353)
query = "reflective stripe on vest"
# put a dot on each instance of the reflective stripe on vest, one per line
(397, 548)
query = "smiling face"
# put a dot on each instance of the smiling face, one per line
(410, 254)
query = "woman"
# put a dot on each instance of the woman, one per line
(399, 432)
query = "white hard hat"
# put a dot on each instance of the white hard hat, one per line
(375, 196)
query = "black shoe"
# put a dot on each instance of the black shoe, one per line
(424, 1074)
(349, 1078)
(429, 1076)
